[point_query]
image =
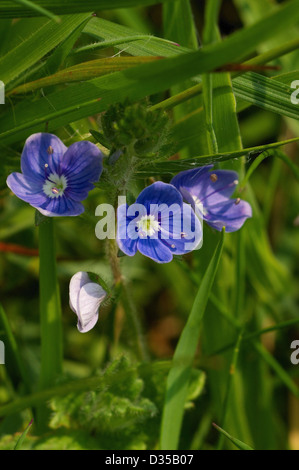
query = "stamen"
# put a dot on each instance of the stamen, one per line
(50, 150)
(183, 234)
(238, 201)
(213, 177)
(173, 246)
(55, 185)
(46, 167)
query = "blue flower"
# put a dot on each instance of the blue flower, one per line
(159, 224)
(55, 178)
(209, 192)
(85, 300)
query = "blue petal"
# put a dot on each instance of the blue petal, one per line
(154, 249)
(185, 181)
(231, 215)
(40, 150)
(209, 187)
(125, 239)
(159, 193)
(27, 188)
(184, 235)
(60, 207)
(82, 165)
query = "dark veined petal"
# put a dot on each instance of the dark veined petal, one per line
(78, 280)
(60, 207)
(26, 188)
(126, 235)
(230, 215)
(40, 150)
(82, 165)
(159, 193)
(91, 296)
(185, 181)
(208, 187)
(154, 249)
(185, 235)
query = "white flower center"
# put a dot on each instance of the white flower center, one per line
(55, 185)
(147, 226)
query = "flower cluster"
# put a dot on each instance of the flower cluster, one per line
(164, 221)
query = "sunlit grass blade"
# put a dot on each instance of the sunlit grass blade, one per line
(239, 444)
(121, 37)
(57, 59)
(36, 46)
(94, 96)
(83, 71)
(266, 93)
(125, 40)
(179, 375)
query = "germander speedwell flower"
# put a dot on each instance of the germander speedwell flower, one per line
(209, 192)
(85, 300)
(55, 178)
(159, 224)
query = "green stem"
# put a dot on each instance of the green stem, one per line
(50, 312)
(210, 35)
(126, 300)
(269, 153)
(231, 374)
(261, 59)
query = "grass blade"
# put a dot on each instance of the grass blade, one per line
(178, 378)
(171, 167)
(36, 46)
(10, 8)
(38, 9)
(23, 437)
(239, 444)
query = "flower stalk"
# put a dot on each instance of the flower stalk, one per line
(50, 314)
(126, 300)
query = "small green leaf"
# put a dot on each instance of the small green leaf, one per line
(23, 436)
(235, 441)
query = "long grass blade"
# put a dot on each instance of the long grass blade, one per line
(178, 378)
